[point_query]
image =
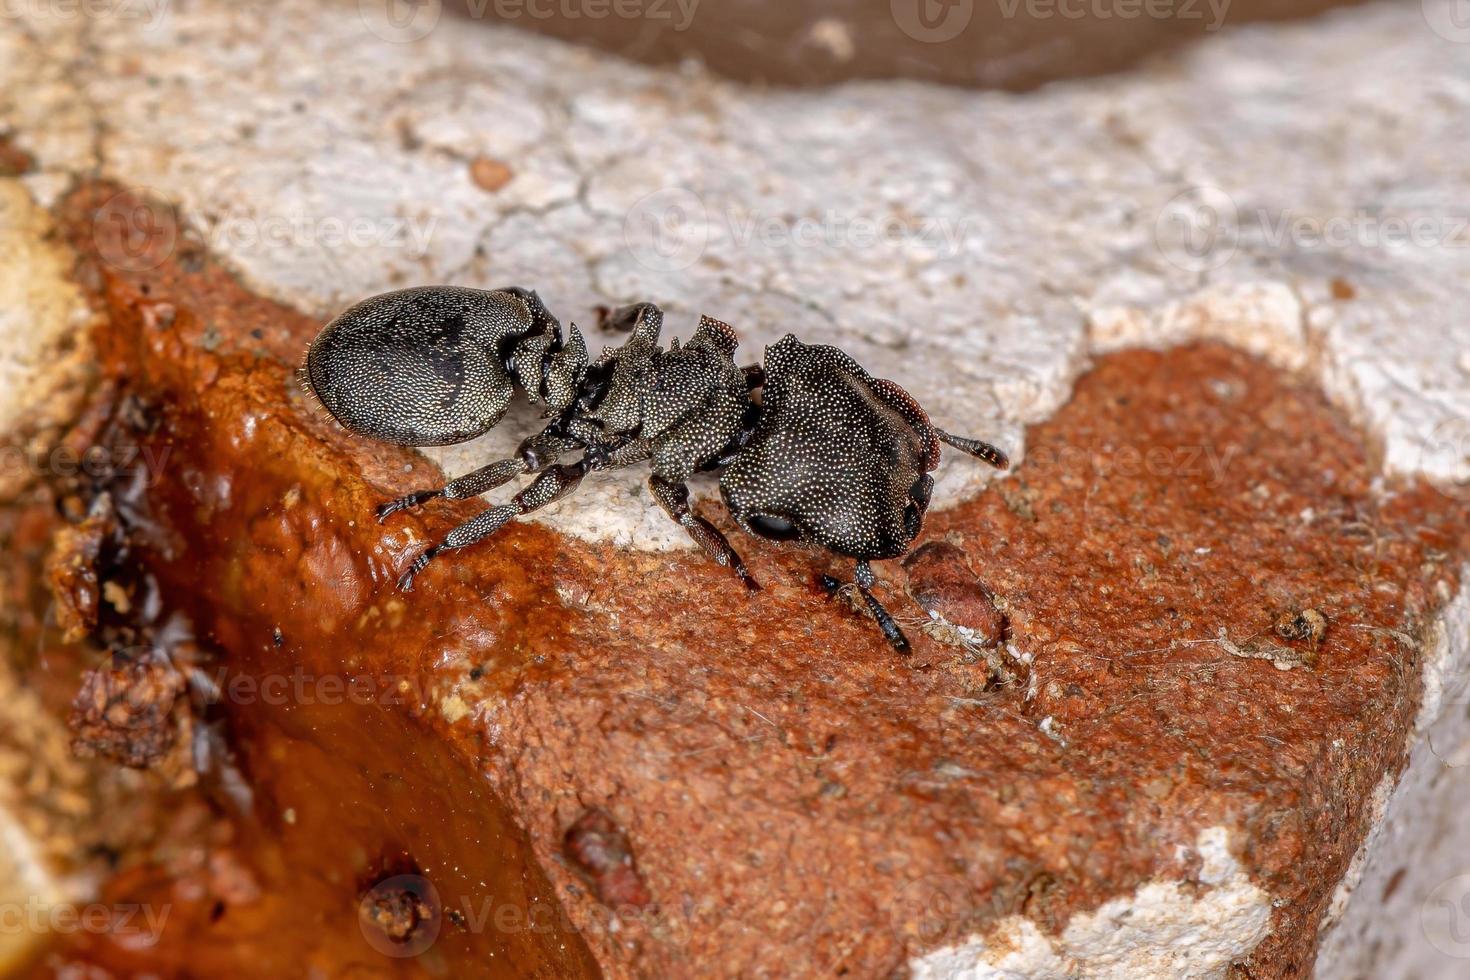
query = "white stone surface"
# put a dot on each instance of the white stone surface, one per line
(1162, 930)
(957, 242)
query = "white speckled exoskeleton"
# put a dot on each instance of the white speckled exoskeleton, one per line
(809, 446)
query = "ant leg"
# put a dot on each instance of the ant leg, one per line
(534, 455)
(625, 455)
(674, 499)
(863, 579)
(469, 485)
(549, 487)
(980, 450)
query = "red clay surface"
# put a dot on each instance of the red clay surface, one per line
(769, 789)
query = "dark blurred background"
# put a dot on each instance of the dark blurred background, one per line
(1005, 44)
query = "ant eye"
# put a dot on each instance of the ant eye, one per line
(922, 489)
(773, 527)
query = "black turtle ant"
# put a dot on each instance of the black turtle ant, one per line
(809, 446)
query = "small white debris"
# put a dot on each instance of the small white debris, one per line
(1048, 728)
(835, 37)
(1019, 656)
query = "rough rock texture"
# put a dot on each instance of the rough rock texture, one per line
(44, 322)
(33, 767)
(1411, 872)
(969, 269)
(790, 797)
